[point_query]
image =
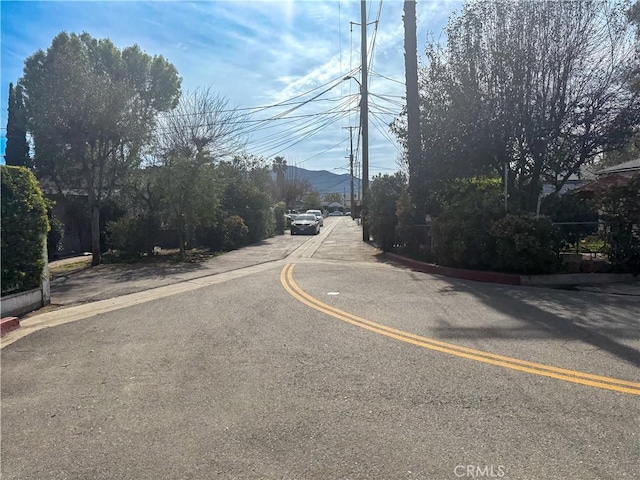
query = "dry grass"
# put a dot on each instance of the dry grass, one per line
(57, 270)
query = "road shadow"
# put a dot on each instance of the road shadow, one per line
(122, 272)
(545, 312)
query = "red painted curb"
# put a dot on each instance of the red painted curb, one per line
(8, 324)
(476, 275)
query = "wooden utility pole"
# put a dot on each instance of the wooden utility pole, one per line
(364, 118)
(351, 196)
(413, 110)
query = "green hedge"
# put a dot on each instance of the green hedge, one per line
(382, 200)
(236, 232)
(278, 212)
(132, 235)
(525, 244)
(474, 232)
(461, 233)
(23, 230)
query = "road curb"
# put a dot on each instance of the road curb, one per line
(8, 324)
(476, 275)
(551, 281)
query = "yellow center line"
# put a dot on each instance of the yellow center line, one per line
(598, 381)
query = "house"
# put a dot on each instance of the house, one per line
(627, 169)
(70, 208)
(613, 176)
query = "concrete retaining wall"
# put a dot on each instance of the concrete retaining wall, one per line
(23, 302)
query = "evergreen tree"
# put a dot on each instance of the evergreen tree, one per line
(17, 150)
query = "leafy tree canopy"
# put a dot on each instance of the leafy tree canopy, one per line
(91, 108)
(17, 149)
(540, 86)
(333, 197)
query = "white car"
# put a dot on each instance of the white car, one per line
(318, 215)
(305, 224)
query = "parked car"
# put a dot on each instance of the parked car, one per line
(318, 215)
(305, 223)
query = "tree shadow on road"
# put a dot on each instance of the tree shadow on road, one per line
(122, 272)
(561, 314)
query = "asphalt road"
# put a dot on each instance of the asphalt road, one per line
(319, 360)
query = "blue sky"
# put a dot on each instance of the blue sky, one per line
(256, 54)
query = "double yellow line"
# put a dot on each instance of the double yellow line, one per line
(598, 381)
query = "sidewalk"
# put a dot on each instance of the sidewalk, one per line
(112, 280)
(342, 243)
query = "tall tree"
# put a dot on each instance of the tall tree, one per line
(416, 184)
(334, 197)
(312, 201)
(91, 108)
(17, 149)
(246, 194)
(540, 86)
(200, 132)
(279, 167)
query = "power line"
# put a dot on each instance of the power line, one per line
(373, 72)
(338, 110)
(324, 151)
(375, 34)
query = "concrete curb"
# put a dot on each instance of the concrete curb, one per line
(8, 324)
(558, 280)
(575, 279)
(477, 275)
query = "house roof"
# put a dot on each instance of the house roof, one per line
(604, 183)
(630, 166)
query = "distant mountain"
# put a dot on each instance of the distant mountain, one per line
(322, 181)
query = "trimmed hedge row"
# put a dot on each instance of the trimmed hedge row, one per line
(23, 230)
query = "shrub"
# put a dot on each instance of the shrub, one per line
(571, 207)
(278, 212)
(382, 200)
(211, 236)
(23, 226)
(56, 231)
(525, 244)
(235, 232)
(621, 213)
(404, 228)
(54, 238)
(133, 235)
(270, 223)
(127, 236)
(461, 234)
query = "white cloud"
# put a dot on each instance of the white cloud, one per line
(254, 53)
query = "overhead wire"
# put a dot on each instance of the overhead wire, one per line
(374, 35)
(259, 108)
(324, 151)
(309, 123)
(286, 120)
(383, 131)
(308, 135)
(377, 74)
(306, 132)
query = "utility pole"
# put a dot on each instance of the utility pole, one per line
(413, 110)
(351, 198)
(364, 118)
